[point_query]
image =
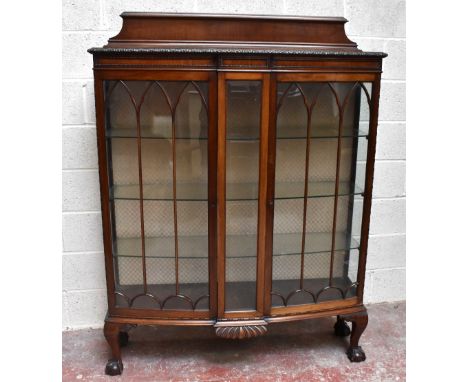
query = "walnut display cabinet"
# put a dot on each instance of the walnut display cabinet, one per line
(236, 159)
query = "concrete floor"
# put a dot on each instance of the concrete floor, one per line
(297, 351)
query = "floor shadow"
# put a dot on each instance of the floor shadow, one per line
(201, 342)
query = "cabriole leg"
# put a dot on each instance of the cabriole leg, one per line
(113, 336)
(359, 323)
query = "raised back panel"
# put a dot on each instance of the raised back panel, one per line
(148, 29)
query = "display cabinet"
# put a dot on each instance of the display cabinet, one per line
(236, 158)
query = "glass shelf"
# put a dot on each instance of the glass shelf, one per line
(294, 190)
(235, 191)
(290, 133)
(163, 246)
(316, 242)
(243, 246)
(318, 132)
(185, 192)
(146, 132)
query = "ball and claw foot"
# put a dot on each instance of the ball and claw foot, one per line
(356, 354)
(123, 339)
(342, 329)
(114, 367)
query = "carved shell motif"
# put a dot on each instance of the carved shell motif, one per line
(240, 332)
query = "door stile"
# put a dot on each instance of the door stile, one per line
(221, 192)
(270, 195)
(262, 197)
(212, 191)
(366, 212)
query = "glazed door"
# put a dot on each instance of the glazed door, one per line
(160, 143)
(242, 161)
(319, 152)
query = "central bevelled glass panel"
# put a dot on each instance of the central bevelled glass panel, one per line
(157, 145)
(321, 149)
(243, 105)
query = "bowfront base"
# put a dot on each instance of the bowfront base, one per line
(116, 330)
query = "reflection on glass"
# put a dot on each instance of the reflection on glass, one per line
(243, 103)
(317, 222)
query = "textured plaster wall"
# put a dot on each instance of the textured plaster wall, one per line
(373, 24)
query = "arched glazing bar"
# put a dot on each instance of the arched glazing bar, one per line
(173, 104)
(343, 135)
(138, 98)
(309, 106)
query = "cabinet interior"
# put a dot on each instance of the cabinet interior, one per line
(157, 133)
